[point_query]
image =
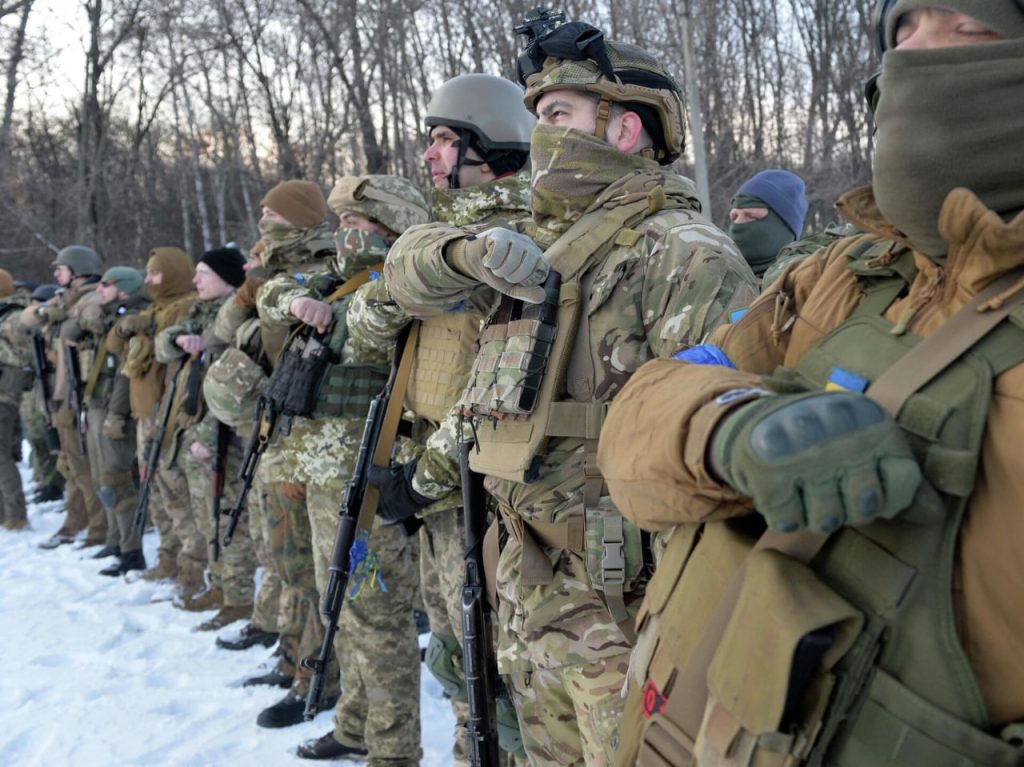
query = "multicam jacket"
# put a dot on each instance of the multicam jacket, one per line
(15, 355)
(668, 289)
(376, 319)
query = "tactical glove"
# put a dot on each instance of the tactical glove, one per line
(507, 261)
(816, 461)
(398, 499)
(133, 324)
(113, 427)
(51, 313)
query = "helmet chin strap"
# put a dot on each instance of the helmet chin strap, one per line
(461, 160)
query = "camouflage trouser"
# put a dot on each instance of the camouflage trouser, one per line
(156, 511)
(233, 572)
(12, 498)
(83, 506)
(442, 572)
(570, 715)
(291, 547)
(111, 464)
(376, 642)
(266, 612)
(35, 422)
(173, 485)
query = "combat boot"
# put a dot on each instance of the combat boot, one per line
(273, 678)
(166, 568)
(16, 524)
(326, 748)
(132, 560)
(225, 617)
(107, 551)
(191, 583)
(250, 635)
(207, 599)
(57, 539)
(48, 493)
(289, 709)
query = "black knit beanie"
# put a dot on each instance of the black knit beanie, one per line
(227, 263)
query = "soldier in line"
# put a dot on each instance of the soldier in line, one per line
(77, 270)
(35, 418)
(767, 213)
(111, 437)
(376, 645)
(15, 379)
(189, 347)
(842, 581)
(478, 155)
(643, 274)
(168, 281)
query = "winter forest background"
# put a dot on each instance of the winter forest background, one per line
(129, 124)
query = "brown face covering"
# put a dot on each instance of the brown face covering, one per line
(948, 118)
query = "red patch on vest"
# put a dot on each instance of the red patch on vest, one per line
(654, 701)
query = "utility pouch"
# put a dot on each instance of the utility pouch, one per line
(773, 673)
(294, 386)
(15, 380)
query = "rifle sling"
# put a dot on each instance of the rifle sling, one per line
(389, 427)
(891, 390)
(97, 367)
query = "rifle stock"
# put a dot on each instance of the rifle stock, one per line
(42, 370)
(478, 663)
(74, 380)
(220, 463)
(262, 429)
(358, 508)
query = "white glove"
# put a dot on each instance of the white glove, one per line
(514, 257)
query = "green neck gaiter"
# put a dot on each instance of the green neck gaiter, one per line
(948, 118)
(760, 241)
(570, 169)
(287, 245)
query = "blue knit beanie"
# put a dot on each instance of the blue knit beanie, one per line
(781, 191)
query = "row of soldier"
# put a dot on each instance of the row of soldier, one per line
(535, 297)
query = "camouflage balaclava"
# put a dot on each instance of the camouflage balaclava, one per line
(306, 235)
(949, 118)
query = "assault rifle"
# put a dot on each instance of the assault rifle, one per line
(478, 662)
(291, 391)
(357, 511)
(220, 465)
(42, 369)
(74, 378)
(151, 455)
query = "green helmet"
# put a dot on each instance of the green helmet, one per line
(488, 114)
(81, 260)
(577, 57)
(388, 200)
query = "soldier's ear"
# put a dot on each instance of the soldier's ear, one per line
(626, 132)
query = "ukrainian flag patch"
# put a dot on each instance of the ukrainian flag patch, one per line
(844, 380)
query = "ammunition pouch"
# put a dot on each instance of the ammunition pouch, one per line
(614, 556)
(294, 386)
(14, 379)
(443, 360)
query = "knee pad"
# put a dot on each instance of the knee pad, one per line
(107, 496)
(439, 655)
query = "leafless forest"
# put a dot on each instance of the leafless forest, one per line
(183, 113)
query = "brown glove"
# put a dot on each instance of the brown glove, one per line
(245, 296)
(113, 427)
(293, 491)
(133, 324)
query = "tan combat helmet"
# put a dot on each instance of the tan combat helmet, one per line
(488, 113)
(577, 57)
(388, 200)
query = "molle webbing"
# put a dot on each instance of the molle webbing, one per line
(441, 366)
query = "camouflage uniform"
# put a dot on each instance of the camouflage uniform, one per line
(375, 319)
(649, 295)
(376, 642)
(15, 378)
(801, 249)
(35, 421)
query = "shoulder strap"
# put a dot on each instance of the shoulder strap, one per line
(352, 284)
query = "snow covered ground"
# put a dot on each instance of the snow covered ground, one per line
(94, 674)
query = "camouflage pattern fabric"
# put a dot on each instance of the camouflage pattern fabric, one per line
(156, 513)
(291, 547)
(111, 464)
(286, 246)
(376, 643)
(15, 348)
(12, 497)
(481, 205)
(391, 201)
(35, 421)
(233, 572)
(85, 510)
(568, 716)
(173, 485)
(267, 609)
